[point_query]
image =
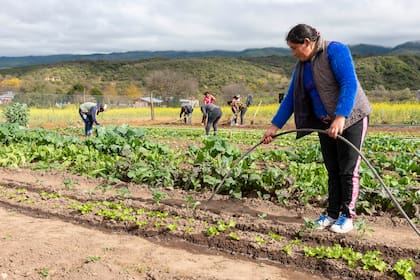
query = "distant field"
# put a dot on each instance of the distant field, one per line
(383, 113)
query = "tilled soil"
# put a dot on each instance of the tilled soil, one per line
(255, 239)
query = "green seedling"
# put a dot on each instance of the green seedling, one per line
(171, 227)
(262, 215)
(212, 231)
(141, 223)
(259, 240)
(189, 230)
(68, 184)
(371, 259)
(158, 196)
(44, 272)
(157, 224)
(191, 203)
(308, 226)
(404, 269)
(274, 235)
(104, 189)
(234, 236)
(123, 192)
(91, 259)
(362, 228)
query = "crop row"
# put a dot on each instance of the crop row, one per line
(290, 172)
(232, 233)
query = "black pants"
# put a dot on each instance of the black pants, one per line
(213, 118)
(342, 164)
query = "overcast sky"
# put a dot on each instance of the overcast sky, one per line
(44, 27)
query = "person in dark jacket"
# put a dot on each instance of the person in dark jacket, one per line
(324, 93)
(211, 116)
(88, 112)
(186, 113)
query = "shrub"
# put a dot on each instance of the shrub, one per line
(17, 113)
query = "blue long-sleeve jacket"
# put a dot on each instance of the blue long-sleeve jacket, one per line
(341, 64)
(91, 109)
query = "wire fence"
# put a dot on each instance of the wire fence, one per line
(60, 100)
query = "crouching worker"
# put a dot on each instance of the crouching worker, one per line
(211, 116)
(186, 113)
(88, 112)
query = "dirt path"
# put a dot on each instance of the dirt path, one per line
(42, 232)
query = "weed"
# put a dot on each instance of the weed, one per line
(44, 272)
(91, 259)
(158, 196)
(104, 189)
(123, 192)
(262, 215)
(362, 229)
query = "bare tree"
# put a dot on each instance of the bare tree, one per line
(171, 85)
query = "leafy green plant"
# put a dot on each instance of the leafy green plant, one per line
(262, 215)
(189, 230)
(123, 192)
(362, 228)
(44, 272)
(17, 113)
(141, 223)
(191, 203)
(274, 235)
(221, 226)
(371, 259)
(171, 227)
(234, 236)
(212, 231)
(104, 189)
(308, 226)
(404, 268)
(91, 259)
(158, 196)
(260, 240)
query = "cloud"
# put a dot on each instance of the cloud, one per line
(46, 27)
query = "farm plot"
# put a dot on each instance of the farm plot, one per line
(265, 224)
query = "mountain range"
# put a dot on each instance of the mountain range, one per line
(412, 48)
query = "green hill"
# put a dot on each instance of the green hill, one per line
(358, 50)
(265, 76)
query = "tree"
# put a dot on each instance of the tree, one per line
(97, 93)
(10, 83)
(132, 91)
(171, 85)
(75, 90)
(111, 90)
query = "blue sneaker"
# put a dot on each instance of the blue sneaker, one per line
(344, 224)
(324, 221)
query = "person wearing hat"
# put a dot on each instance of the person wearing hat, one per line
(236, 107)
(88, 112)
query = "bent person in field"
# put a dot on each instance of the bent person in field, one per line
(186, 113)
(88, 112)
(324, 93)
(211, 116)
